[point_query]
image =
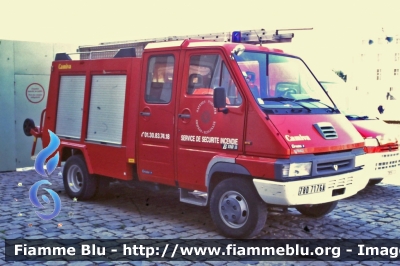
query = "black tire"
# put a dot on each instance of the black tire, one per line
(373, 182)
(78, 183)
(235, 197)
(317, 210)
(27, 126)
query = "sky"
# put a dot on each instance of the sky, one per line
(338, 26)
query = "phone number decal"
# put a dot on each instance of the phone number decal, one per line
(153, 135)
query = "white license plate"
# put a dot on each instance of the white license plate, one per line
(306, 190)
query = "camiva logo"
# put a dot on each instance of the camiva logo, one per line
(50, 167)
(297, 138)
(65, 66)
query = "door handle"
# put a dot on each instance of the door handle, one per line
(145, 113)
(184, 116)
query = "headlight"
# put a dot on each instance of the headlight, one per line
(360, 160)
(371, 142)
(296, 169)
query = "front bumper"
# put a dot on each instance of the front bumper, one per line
(382, 165)
(288, 193)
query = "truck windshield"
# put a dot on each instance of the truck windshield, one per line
(278, 81)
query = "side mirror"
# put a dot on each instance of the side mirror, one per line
(219, 97)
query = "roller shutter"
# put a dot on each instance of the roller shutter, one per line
(70, 106)
(106, 111)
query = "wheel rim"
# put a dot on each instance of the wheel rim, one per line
(233, 209)
(75, 178)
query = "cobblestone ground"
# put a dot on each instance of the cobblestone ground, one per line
(125, 212)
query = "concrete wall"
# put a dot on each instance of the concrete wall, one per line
(7, 117)
(24, 66)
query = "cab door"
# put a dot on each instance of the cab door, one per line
(202, 132)
(156, 124)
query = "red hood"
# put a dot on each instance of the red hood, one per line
(371, 128)
(302, 136)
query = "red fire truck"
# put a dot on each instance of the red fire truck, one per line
(229, 122)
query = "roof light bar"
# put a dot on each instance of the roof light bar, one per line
(260, 37)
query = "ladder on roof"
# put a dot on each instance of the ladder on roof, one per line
(261, 36)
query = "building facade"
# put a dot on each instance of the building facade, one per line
(374, 76)
(376, 68)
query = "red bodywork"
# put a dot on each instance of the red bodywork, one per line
(373, 129)
(100, 159)
(194, 139)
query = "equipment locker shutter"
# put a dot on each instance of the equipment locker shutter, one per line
(70, 106)
(106, 111)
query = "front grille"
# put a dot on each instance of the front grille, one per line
(331, 167)
(326, 130)
(340, 182)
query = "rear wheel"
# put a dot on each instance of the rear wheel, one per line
(236, 208)
(78, 183)
(317, 210)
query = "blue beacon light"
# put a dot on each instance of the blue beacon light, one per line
(236, 36)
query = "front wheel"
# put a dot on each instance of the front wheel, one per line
(78, 183)
(236, 208)
(317, 210)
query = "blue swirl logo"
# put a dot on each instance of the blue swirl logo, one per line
(35, 201)
(40, 169)
(45, 153)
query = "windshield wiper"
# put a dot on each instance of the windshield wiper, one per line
(319, 101)
(278, 99)
(357, 117)
(281, 99)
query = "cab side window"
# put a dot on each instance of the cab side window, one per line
(222, 78)
(160, 74)
(206, 72)
(201, 69)
(232, 93)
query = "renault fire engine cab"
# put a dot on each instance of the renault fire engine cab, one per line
(231, 123)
